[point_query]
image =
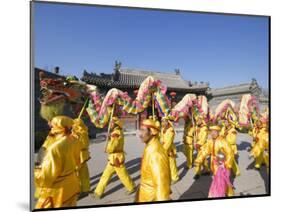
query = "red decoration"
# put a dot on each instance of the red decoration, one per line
(136, 92)
(173, 94)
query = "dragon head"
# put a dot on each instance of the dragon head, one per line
(55, 92)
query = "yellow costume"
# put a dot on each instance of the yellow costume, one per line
(80, 130)
(188, 143)
(47, 143)
(260, 148)
(155, 172)
(201, 138)
(167, 139)
(116, 160)
(212, 148)
(254, 133)
(57, 178)
(231, 136)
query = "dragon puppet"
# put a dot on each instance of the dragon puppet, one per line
(56, 92)
(226, 110)
(249, 110)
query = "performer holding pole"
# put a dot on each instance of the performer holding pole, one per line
(56, 177)
(213, 147)
(260, 148)
(116, 161)
(167, 139)
(188, 141)
(201, 139)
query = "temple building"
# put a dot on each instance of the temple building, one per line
(235, 93)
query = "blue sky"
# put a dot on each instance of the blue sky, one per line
(219, 49)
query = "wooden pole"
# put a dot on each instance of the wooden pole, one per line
(152, 102)
(83, 108)
(109, 123)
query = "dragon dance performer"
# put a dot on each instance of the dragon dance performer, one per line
(116, 160)
(213, 147)
(50, 139)
(200, 139)
(167, 139)
(188, 137)
(260, 148)
(81, 132)
(255, 131)
(230, 134)
(155, 171)
(57, 177)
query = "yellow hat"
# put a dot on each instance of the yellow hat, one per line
(79, 125)
(60, 124)
(215, 127)
(153, 125)
(117, 121)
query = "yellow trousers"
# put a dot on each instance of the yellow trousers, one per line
(49, 202)
(235, 168)
(173, 169)
(199, 166)
(230, 191)
(84, 177)
(189, 155)
(234, 148)
(107, 174)
(262, 159)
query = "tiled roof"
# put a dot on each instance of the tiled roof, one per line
(132, 78)
(235, 89)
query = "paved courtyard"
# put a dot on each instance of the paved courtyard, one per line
(250, 182)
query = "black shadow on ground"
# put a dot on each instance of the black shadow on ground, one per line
(199, 189)
(244, 145)
(132, 166)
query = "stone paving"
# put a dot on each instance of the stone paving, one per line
(250, 182)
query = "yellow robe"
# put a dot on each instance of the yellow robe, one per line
(47, 143)
(167, 138)
(116, 159)
(188, 144)
(57, 178)
(201, 138)
(155, 173)
(254, 133)
(212, 148)
(231, 136)
(260, 148)
(81, 132)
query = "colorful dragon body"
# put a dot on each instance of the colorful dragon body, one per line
(226, 111)
(249, 110)
(55, 92)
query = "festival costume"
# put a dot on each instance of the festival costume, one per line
(213, 148)
(116, 160)
(260, 148)
(202, 135)
(81, 132)
(155, 172)
(231, 136)
(188, 144)
(57, 178)
(167, 139)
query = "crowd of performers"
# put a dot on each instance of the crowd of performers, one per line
(63, 173)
